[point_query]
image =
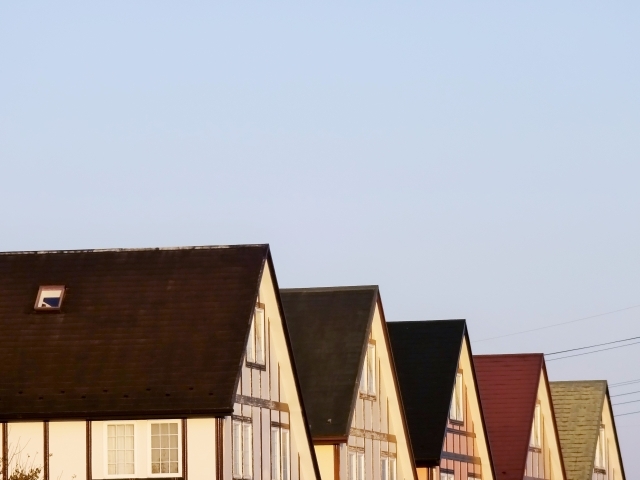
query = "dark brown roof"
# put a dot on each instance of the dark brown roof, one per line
(329, 328)
(508, 387)
(141, 332)
(426, 355)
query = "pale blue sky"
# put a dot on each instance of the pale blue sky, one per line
(475, 159)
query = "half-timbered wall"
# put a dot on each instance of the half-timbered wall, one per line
(544, 462)
(613, 465)
(267, 397)
(377, 429)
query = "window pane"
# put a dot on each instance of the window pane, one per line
(112, 469)
(275, 454)
(259, 335)
(352, 466)
(155, 429)
(384, 469)
(237, 450)
(173, 467)
(173, 441)
(173, 428)
(360, 466)
(285, 455)
(250, 343)
(371, 374)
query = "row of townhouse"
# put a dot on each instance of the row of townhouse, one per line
(192, 364)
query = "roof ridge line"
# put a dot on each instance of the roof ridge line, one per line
(140, 249)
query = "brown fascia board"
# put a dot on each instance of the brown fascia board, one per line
(475, 382)
(553, 416)
(396, 383)
(330, 440)
(292, 359)
(615, 431)
(123, 415)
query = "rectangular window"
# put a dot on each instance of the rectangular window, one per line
(280, 454)
(353, 467)
(361, 471)
(164, 448)
(601, 461)
(457, 400)
(536, 428)
(368, 378)
(256, 349)
(242, 461)
(384, 468)
(120, 449)
(392, 469)
(446, 475)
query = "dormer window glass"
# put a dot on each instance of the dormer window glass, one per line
(50, 297)
(256, 348)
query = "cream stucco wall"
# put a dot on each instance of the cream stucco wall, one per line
(549, 427)
(325, 456)
(474, 407)
(614, 468)
(26, 444)
(201, 464)
(67, 449)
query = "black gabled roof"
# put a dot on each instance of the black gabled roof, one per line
(329, 328)
(149, 332)
(426, 355)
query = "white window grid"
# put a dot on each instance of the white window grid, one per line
(242, 454)
(280, 453)
(165, 448)
(121, 460)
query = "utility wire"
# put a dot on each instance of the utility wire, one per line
(589, 353)
(623, 414)
(628, 393)
(624, 384)
(624, 403)
(557, 324)
(593, 346)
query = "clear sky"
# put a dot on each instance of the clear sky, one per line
(476, 159)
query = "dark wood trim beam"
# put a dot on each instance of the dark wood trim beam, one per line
(336, 462)
(219, 448)
(5, 451)
(330, 440)
(88, 453)
(261, 403)
(385, 437)
(458, 457)
(461, 432)
(45, 467)
(185, 457)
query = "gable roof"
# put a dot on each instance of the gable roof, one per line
(426, 354)
(579, 407)
(149, 332)
(329, 328)
(508, 386)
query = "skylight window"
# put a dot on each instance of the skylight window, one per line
(50, 297)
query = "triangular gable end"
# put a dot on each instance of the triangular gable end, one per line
(267, 393)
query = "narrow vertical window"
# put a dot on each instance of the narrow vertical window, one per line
(120, 449)
(392, 469)
(371, 370)
(275, 453)
(251, 356)
(364, 382)
(600, 461)
(247, 454)
(260, 337)
(360, 466)
(237, 449)
(353, 468)
(384, 468)
(536, 429)
(457, 400)
(286, 475)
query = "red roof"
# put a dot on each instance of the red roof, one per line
(508, 386)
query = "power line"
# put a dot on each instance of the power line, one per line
(628, 393)
(557, 324)
(592, 346)
(624, 403)
(623, 414)
(595, 351)
(624, 384)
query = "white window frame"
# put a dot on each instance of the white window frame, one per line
(361, 466)
(446, 476)
(536, 428)
(369, 371)
(600, 461)
(393, 469)
(456, 413)
(245, 447)
(257, 345)
(280, 453)
(384, 468)
(136, 432)
(149, 458)
(352, 466)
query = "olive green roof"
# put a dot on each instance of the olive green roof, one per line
(578, 408)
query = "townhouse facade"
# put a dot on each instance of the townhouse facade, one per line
(348, 382)
(439, 391)
(158, 363)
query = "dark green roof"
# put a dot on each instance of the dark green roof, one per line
(578, 408)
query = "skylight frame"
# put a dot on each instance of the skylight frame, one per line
(42, 288)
